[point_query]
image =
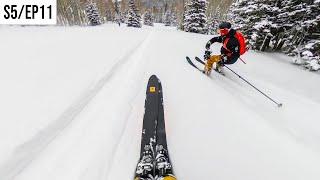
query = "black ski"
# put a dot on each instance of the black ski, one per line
(145, 166)
(154, 162)
(193, 65)
(199, 60)
(163, 167)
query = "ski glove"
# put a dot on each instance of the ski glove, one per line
(208, 45)
(207, 55)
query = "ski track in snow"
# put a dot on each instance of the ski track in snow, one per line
(137, 56)
(27, 152)
(218, 127)
(125, 73)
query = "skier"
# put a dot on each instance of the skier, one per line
(230, 50)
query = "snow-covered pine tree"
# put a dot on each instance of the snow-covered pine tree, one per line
(174, 20)
(266, 29)
(123, 11)
(93, 14)
(291, 15)
(305, 42)
(117, 12)
(137, 10)
(133, 17)
(167, 18)
(291, 26)
(183, 20)
(195, 17)
(210, 24)
(285, 25)
(117, 6)
(218, 17)
(243, 15)
(256, 20)
(213, 21)
(147, 18)
(309, 55)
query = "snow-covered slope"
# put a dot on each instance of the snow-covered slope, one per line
(72, 107)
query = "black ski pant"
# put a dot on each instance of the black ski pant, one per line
(231, 60)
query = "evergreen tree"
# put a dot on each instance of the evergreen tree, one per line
(174, 20)
(133, 17)
(167, 19)
(117, 6)
(147, 18)
(245, 14)
(266, 29)
(214, 20)
(195, 17)
(242, 14)
(291, 26)
(257, 21)
(73, 11)
(117, 11)
(184, 15)
(305, 37)
(123, 11)
(210, 25)
(93, 14)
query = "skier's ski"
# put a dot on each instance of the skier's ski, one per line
(145, 167)
(199, 60)
(163, 166)
(154, 162)
(193, 65)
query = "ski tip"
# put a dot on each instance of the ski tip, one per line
(154, 85)
(153, 77)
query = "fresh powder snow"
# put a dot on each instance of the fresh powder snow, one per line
(72, 104)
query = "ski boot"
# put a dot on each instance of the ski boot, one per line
(145, 166)
(219, 67)
(163, 165)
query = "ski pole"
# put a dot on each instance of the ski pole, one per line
(278, 104)
(242, 60)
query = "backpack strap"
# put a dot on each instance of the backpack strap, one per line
(225, 46)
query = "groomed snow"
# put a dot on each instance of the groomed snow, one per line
(72, 107)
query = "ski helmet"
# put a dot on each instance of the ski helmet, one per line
(225, 25)
(224, 28)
